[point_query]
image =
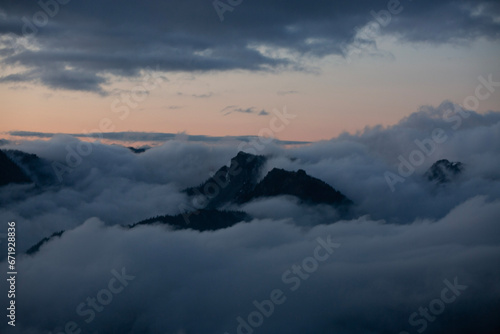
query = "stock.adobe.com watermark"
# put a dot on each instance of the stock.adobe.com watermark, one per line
(222, 6)
(87, 310)
(31, 25)
(292, 278)
(427, 146)
(265, 136)
(425, 315)
(366, 34)
(122, 106)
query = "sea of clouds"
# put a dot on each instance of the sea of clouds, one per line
(411, 239)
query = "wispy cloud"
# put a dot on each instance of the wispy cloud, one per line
(236, 109)
(198, 96)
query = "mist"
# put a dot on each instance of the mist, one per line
(306, 267)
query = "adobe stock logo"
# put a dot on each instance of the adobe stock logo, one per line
(427, 146)
(221, 7)
(31, 25)
(436, 307)
(98, 303)
(265, 136)
(293, 279)
(128, 100)
(50, 8)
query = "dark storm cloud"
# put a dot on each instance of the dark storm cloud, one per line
(85, 40)
(56, 78)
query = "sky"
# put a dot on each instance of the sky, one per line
(214, 69)
(364, 95)
(402, 249)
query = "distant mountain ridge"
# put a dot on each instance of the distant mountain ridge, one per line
(202, 220)
(138, 150)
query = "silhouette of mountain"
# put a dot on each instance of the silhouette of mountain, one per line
(307, 188)
(39, 170)
(35, 248)
(444, 171)
(239, 184)
(10, 171)
(231, 183)
(137, 150)
(201, 220)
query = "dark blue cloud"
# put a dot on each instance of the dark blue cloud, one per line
(79, 42)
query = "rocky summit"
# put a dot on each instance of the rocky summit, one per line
(443, 171)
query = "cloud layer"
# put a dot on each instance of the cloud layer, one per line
(189, 282)
(77, 46)
(393, 259)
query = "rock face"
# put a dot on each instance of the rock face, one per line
(444, 171)
(11, 172)
(39, 170)
(231, 184)
(239, 184)
(307, 188)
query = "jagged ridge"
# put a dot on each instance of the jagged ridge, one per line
(444, 171)
(35, 248)
(231, 183)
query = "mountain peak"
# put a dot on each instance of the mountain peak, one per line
(444, 171)
(239, 184)
(242, 154)
(230, 183)
(243, 159)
